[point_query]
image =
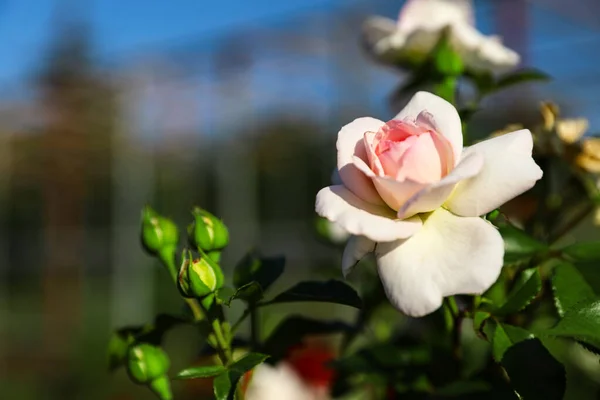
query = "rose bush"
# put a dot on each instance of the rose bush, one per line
(420, 26)
(413, 195)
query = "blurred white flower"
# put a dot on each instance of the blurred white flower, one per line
(280, 382)
(420, 26)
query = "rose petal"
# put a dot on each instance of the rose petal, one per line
(449, 255)
(350, 144)
(508, 171)
(338, 204)
(356, 248)
(434, 15)
(271, 382)
(440, 113)
(433, 196)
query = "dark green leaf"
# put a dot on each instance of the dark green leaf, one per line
(225, 294)
(248, 362)
(522, 76)
(250, 292)
(527, 287)
(580, 322)
(583, 251)
(533, 372)
(331, 291)
(201, 372)
(479, 320)
(384, 358)
(223, 387)
(504, 337)
(225, 384)
(291, 331)
(462, 388)
(518, 245)
(569, 287)
(256, 268)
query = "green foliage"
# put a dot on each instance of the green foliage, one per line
(331, 291)
(534, 373)
(207, 371)
(254, 267)
(527, 287)
(569, 287)
(518, 245)
(583, 251)
(251, 293)
(505, 336)
(225, 384)
(487, 84)
(581, 322)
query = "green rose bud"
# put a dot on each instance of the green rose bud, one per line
(146, 362)
(198, 277)
(158, 233)
(207, 232)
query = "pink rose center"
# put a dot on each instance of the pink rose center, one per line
(403, 150)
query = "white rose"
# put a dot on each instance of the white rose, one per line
(420, 26)
(277, 383)
(413, 195)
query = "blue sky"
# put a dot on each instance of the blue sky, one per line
(120, 26)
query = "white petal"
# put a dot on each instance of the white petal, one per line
(435, 14)
(350, 143)
(338, 204)
(442, 114)
(449, 255)
(356, 248)
(508, 171)
(483, 53)
(274, 383)
(434, 195)
(376, 32)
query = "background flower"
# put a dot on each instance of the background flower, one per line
(420, 26)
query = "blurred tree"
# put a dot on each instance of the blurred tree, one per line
(78, 105)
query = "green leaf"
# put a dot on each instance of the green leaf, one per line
(504, 337)
(533, 372)
(580, 322)
(256, 268)
(479, 320)
(569, 287)
(291, 331)
(223, 387)
(251, 293)
(526, 288)
(225, 294)
(248, 362)
(518, 245)
(201, 372)
(521, 76)
(331, 291)
(461, 388)
(225, 384)
(583, 251)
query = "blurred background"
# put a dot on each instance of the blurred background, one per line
(232, 105)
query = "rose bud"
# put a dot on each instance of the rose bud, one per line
(158, 233)
(198, 277)
(208, 233)
(146, 363)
